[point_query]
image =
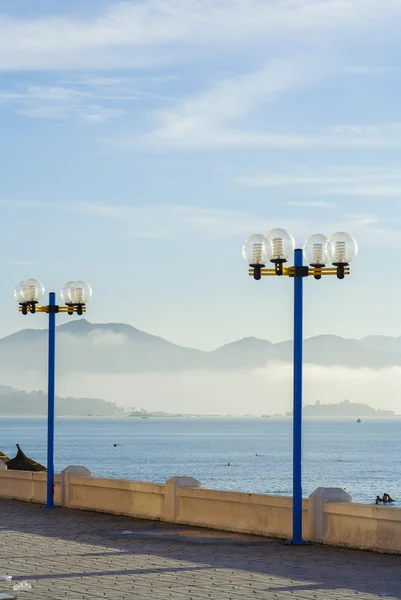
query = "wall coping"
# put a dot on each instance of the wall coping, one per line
(367, 511)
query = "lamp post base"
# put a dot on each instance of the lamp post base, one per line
(296, 543)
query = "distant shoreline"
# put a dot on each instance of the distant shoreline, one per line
(194, 417)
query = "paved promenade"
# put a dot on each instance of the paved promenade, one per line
(75, 555)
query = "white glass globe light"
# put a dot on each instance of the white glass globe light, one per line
(315, 250)
(279, 245)
(30, 290)
(342, 248)
(76, 292)
(253, 250)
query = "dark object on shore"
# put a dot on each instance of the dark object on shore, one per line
(21, 462)
(4, 458)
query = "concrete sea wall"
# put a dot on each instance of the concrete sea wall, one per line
(329, 515)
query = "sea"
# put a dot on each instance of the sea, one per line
(242, 454)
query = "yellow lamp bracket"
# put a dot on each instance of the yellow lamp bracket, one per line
(33, 307)
(316, 272)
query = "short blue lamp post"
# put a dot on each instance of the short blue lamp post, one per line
(75, 295)
(276, 247)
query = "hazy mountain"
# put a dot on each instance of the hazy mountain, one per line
(344, 409)
(382, 342)
(111, 347)
(327, 350)
(120, 348)
(246, 353)
(331, 350)
(17, 402)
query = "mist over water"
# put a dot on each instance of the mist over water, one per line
(255, 392)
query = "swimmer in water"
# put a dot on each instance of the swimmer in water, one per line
(387, 498)
(378, 500)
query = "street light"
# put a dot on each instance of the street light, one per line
(276, 247)
(75, 295)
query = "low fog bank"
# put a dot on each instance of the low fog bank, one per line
(261, 391)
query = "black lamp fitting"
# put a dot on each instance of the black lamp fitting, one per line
(28, 307)
(317, 266)
(257, 271)
(278, 265)
(340, 269)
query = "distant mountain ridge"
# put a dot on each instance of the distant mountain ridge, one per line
(121, 348)
(344, 409)
(15, 402)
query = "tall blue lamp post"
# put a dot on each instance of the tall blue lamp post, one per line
(75, 295)
(276, 247)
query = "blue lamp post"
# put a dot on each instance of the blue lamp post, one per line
(75, 294)
(276, 247)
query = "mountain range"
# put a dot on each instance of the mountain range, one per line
(120, 348)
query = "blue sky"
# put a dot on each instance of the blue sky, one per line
(142, 142)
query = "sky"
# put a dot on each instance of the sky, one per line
(141, 142)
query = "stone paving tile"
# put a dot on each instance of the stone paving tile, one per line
(79, 555)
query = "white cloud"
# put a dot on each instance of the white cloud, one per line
(369, 129)
(384, 191)
(310, 204)
(166, 221)
(148, 32)
(247, 139)
(371, 69)
(154, 32)
(91, 89)
(282, 179)
(231, 138)
(309, 176)
(363, 219)
(59, 103)
(202, 116)
(330, 181)
(90, 114)
(145, 33)
(215, 118)
(42, 93)
(154, 220)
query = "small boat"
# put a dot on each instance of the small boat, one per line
(21, 462)
(358, 421)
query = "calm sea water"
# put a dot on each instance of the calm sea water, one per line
(362, 458)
